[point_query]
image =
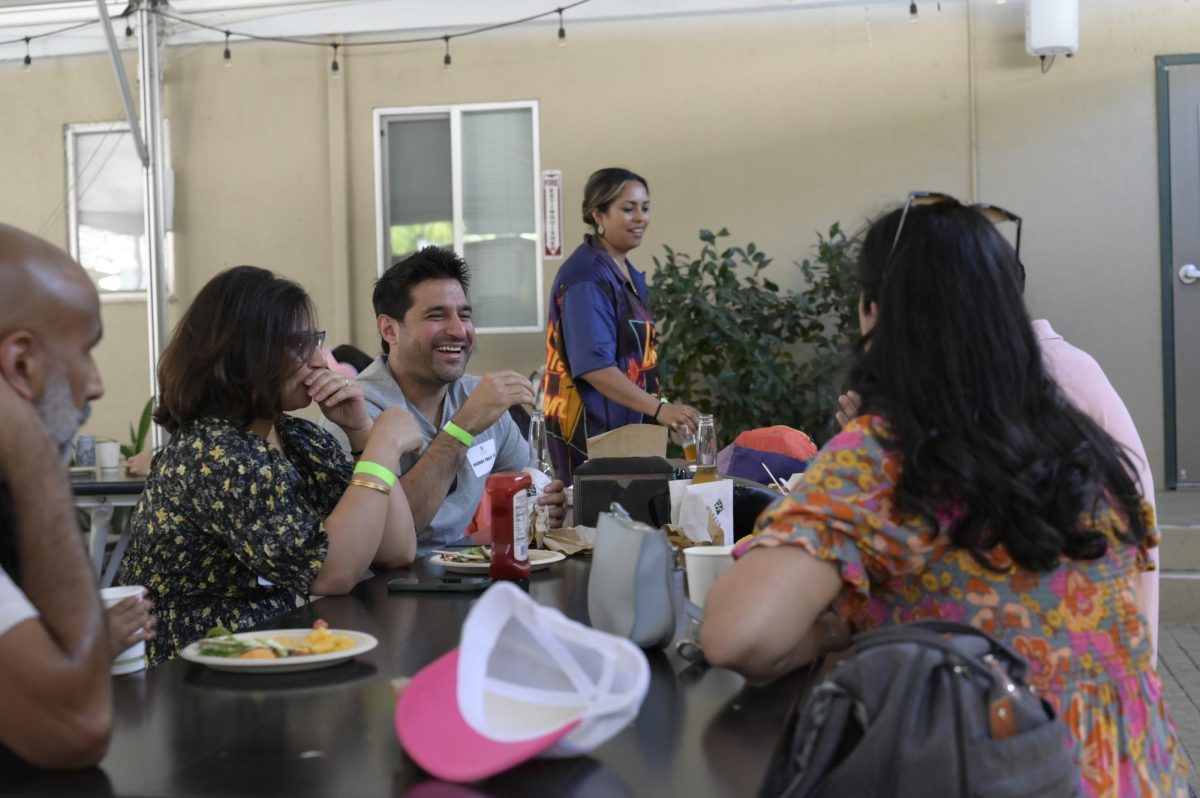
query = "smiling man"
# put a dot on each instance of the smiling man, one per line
(424, 318)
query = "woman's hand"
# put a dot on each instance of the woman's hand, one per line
(340, 399)
(396, 427)
(678, 417)
(139, 464)
(129, 622)
(850, 402)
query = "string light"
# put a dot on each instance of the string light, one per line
(913, 17)
(334, 66)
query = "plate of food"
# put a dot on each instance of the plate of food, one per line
(477, 559)
(278, 650)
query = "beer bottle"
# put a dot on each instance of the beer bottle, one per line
(706, 451)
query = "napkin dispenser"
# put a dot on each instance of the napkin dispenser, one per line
(639, 484)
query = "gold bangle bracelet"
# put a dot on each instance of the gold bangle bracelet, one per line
(362, 483)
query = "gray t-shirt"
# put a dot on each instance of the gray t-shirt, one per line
(511, 451)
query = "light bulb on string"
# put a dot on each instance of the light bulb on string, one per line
(334, 67)
(28, 59)
(913, 17)
(128, 30)
(228, 55)
(446, 61)
(562, 32)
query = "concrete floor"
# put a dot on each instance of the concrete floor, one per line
(1179, 669)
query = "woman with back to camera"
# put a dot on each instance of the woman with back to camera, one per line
(601, 361)
(968, 489)
(248, 507)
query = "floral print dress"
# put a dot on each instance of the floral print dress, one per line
(1078, 626)
(230, 530)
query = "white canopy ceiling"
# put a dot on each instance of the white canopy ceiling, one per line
(314, 18)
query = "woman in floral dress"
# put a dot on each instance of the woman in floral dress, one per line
(969, 489)
(248, 508)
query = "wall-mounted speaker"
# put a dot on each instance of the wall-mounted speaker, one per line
(1051, 27)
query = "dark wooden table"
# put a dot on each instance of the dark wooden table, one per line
(182, 729)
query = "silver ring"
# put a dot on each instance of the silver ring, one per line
(345, 382)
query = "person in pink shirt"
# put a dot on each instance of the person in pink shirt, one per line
(1083, 382)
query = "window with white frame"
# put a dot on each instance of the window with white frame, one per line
(105, 209)
(465, 176)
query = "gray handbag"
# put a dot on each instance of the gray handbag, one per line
(924, 710)
(634, 589)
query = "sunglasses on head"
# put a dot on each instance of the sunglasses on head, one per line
(993, 213)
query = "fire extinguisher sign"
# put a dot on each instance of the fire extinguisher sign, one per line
(552, 231)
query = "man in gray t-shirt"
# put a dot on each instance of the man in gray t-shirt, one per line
(424, 318)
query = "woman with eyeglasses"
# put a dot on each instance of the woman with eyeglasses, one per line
(968, 489)
(248, 508)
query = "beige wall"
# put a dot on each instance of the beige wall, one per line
(771, 124)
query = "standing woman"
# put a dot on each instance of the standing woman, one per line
(601, 362)
(248, 507)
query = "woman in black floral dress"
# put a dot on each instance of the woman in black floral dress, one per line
(247, 507)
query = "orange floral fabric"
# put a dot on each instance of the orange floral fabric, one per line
(1078, 626)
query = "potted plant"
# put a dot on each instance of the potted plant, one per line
(733, 344)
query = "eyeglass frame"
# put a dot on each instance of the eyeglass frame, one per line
(303, 344)
(938, 198)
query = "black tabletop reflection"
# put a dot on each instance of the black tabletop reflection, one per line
(183, 730)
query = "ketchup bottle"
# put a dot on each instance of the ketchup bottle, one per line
(509, 492)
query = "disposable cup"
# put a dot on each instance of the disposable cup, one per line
(704, 564)
(108, 454)
(133, 658)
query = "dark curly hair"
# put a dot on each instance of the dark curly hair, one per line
(233, 349)
(952, 364)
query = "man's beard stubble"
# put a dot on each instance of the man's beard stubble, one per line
(59, 413)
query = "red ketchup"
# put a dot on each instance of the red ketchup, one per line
(511, 504)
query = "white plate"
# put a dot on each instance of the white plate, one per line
(363, 643)
(538, 559)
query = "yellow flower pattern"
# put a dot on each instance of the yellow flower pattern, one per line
(229, 530)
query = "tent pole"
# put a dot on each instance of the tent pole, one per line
(150, 74)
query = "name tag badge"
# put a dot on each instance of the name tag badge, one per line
(481, 457)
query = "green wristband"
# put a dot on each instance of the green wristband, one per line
(376, 470)
(457, 432)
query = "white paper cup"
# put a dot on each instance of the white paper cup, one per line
(704, 564)
(108, 454)
(133, 658)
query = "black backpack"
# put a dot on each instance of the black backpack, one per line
(926, 709)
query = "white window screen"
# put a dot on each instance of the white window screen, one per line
(466, 177)
(105, 208)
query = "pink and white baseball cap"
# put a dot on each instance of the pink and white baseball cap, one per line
(524, 681)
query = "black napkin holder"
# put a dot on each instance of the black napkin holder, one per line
(639, 484)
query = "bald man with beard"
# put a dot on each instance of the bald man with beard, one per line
(55, 686)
